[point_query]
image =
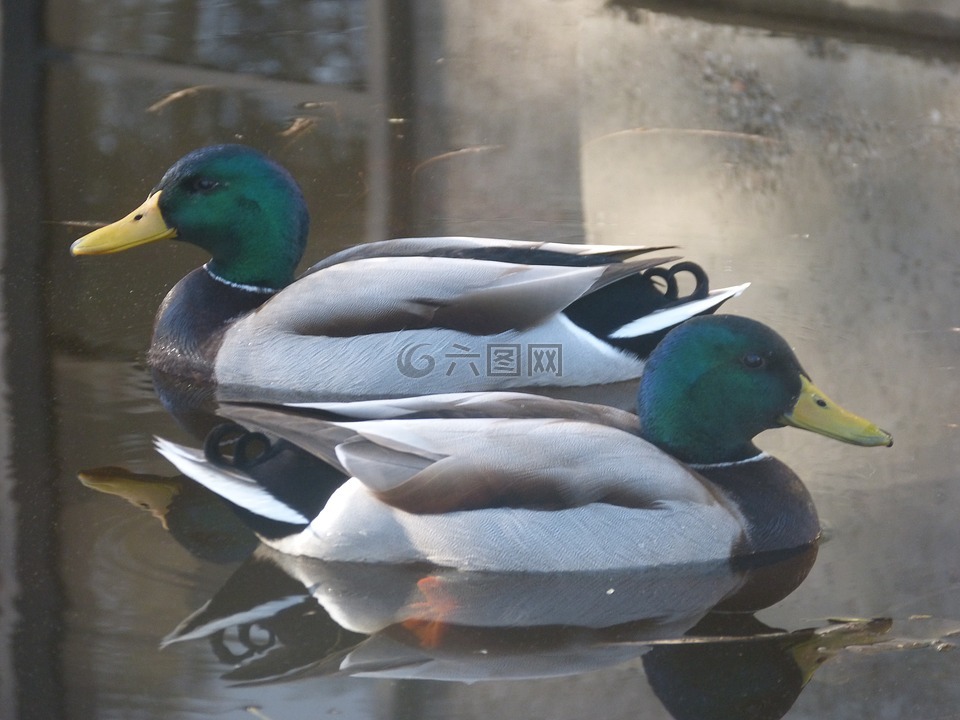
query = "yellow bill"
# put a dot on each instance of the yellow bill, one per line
(143, 225)
(816, 412)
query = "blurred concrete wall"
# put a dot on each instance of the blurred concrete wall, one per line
(805, 164)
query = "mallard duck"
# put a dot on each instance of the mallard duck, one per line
(510, 481)
(391, 318)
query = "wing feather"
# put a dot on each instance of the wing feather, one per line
(516, 251)
(376, 295)
(529, 463)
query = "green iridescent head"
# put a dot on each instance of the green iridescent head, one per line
(232, 201)
(716, 382)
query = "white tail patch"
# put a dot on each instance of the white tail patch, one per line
(233, 486)
(662, 319)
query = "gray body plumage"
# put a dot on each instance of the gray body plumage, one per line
(480, 493)
(383, 321)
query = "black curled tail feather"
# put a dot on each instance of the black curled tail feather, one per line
(293, 476)
(248, 448)
(606, 310)
(669, 276)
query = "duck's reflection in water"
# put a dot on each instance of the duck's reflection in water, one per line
(280, 618)
(731, 666)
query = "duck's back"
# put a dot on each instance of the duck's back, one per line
(516, 495)
(401, 326)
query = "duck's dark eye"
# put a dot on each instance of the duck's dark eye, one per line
(203, 185)
(753, 361)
